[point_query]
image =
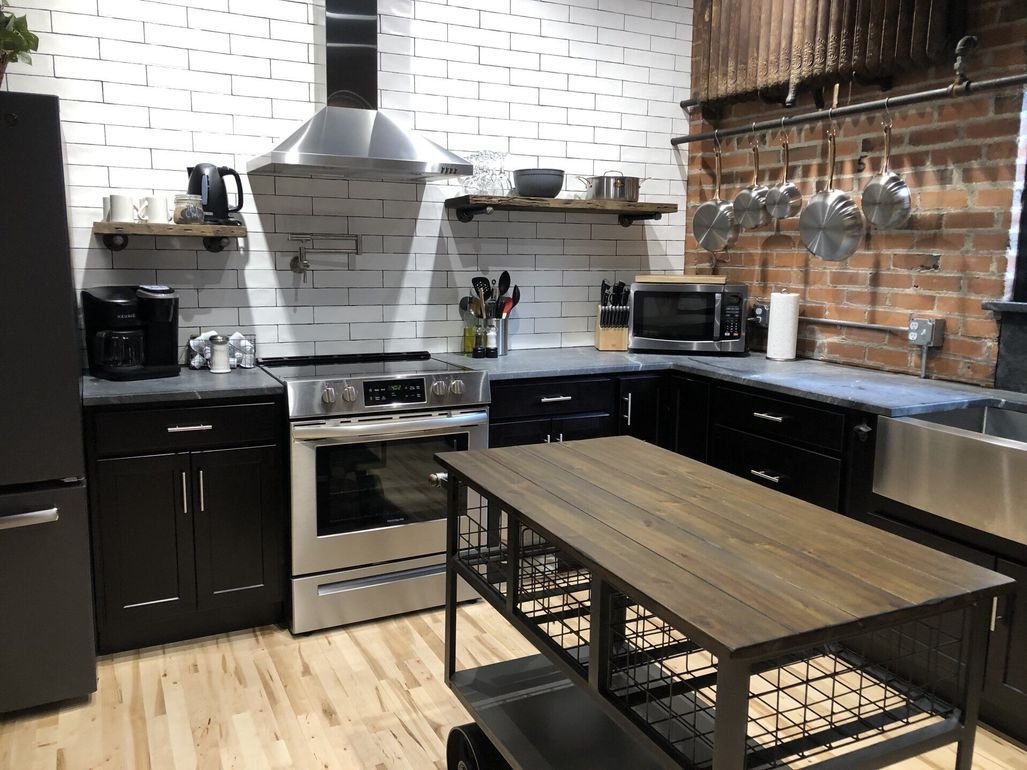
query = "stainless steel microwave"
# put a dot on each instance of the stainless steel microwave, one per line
(687, 317)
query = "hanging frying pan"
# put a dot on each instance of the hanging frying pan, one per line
(785, 199)
(714, 221)
(831, 226)
(750, 204)
(886, 197)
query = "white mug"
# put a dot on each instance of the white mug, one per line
(122, 208)
(153, 208)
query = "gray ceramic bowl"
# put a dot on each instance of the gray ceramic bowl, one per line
(538, 182)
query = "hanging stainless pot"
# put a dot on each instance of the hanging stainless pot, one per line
(785, 199)
(612, 186)
(831, 226)
(714, 221)
(751, 203)
(886, 198)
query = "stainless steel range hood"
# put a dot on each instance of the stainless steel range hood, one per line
(344, 139)
(359, 144)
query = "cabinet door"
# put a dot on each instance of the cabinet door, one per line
(142, 517)
(684, 406)
(582, 426)
(639, 408)
(518, 432)
(1005, 694)
(237, 527)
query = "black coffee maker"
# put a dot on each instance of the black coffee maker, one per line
(131, 332)
(208, 181)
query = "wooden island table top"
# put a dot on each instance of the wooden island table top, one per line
(749, 571)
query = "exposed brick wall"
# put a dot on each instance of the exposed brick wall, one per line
(960, 159)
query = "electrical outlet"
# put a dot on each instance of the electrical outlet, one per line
(761, 314)
(926, 332)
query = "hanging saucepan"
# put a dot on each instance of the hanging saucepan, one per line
(886, 198)
(714, 221)
(750, 204)
(785, 199)
(831, 225)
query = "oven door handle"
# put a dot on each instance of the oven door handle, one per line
(389, 427)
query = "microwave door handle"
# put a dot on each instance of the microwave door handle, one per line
(358, 430)
(718, 300)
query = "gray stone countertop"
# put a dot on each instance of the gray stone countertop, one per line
(190, 385)
(868, 390)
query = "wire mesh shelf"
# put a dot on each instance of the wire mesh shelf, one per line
(481, 543)
(801, 706)
(554, 594)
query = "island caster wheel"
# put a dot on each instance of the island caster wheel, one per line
(468, 748)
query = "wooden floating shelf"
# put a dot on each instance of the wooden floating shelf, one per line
(469, 206)
(115, 234)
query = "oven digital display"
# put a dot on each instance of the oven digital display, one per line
(408, 391)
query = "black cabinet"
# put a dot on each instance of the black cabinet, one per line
(1005, 693)
(551, 410)
(684, 416)
(187, 539)
(639, 407)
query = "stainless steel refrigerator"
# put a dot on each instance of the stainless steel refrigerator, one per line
(47, 643)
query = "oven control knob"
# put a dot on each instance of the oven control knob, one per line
(439, 388)
(328, 395)
(349, 394)
(457, 387)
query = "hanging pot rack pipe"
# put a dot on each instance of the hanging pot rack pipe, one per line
(890, 103)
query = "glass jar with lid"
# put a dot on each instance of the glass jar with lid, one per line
(188, 210)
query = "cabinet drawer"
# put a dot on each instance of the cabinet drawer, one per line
(781, 420)
(162, 430)
(807, 475)
(549, 397)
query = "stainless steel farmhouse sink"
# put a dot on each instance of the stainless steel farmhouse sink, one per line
(967, 465)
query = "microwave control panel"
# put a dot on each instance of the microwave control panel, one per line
(406, 391)
(731, 316)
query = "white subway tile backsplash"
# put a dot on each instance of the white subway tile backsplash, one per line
(149, 87)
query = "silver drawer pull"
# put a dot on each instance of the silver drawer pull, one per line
(554, 399)
(765, 475)
(768, 416)
(185, 495)
(189, 428)
(45, 516)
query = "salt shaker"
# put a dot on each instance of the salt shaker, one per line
(219, 363)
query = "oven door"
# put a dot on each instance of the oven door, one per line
(360, 492)
(675, 317)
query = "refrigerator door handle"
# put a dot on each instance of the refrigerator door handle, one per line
(44, 516)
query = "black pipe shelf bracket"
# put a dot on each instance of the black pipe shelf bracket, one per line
(960, 87)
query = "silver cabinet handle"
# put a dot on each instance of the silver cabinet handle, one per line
(559, 439)
(185, 494)
(554, 399)
(994, 612)
(769, 417)
(628, 415)
(31, 518)
(765, 475)
(203, 504)
(548, 438)
(188, 428)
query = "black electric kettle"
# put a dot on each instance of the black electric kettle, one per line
(207, 181)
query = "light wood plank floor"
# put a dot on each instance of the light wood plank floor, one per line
(368, 696)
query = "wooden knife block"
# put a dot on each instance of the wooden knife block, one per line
(611, 338)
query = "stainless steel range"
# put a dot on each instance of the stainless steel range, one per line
(368, 532)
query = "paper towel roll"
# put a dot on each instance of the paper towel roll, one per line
(784, 326)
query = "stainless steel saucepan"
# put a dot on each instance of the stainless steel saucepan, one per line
(750, 204)
(886, 197)
(831, 226)
(613, 186)
(714, 222)
(785, 199)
